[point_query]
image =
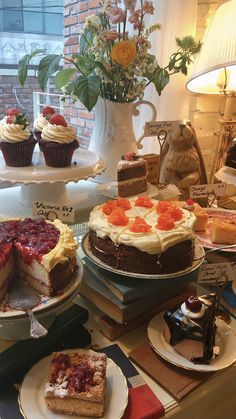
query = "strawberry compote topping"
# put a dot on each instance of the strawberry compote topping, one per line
(33, 238)
(165, 222)
(110, 205)
(123, 203)
(163, 206)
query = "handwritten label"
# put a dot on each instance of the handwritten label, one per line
(50, 211)
(160, 128)
(210, 273)
(201, 191)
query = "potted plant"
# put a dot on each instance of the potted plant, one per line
(111, 70)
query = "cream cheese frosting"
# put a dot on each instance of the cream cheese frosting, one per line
(153, 242)
(14, 133)
(40, 123)
(65, 248)
(59, 133)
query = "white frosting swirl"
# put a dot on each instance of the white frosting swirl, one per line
(40, 123)
(59, 134)
(64, 249)
(152, 242)
(191, 314)
(3, 122)
(14, 133)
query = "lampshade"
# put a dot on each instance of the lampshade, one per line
(215, 69)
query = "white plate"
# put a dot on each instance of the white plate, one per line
(88, 164)
(199, 252)
(110, 190)
(204, 237)
(45, 302)
(31, 395)
(225, 338)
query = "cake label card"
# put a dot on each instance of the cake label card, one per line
(216, 273)
(209, 191)
(50, 211)
(160, 128)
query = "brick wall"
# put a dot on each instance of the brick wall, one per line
(75, 13)
(8, 99)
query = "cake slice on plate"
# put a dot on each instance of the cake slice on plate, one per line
(223, 231)
(131, 175)
(191, 328)
(76, 383)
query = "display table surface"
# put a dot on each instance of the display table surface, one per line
(214, 399)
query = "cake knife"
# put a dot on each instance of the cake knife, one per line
(22, 296)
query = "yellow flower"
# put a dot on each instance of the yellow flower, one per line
(124, 52)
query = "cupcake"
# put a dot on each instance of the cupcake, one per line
(42, 121)
(16, 141)
(58, 142)
(9, 112)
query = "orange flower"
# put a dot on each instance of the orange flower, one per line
(124, 52)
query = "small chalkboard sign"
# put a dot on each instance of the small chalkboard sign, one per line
(50, 211)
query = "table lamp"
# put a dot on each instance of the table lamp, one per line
(215, 73)
(215, 70)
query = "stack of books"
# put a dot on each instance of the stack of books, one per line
(127, 302)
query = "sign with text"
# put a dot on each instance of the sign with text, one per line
(160, 128)
(212, 273)
(50, 211)
(205, 191)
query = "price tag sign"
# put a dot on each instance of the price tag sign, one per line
(50, 211)
(160, 128)
(205, 191)
(212, 273)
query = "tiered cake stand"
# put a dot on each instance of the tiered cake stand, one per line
(48, 184)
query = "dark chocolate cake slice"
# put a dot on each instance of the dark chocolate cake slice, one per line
(191, 328)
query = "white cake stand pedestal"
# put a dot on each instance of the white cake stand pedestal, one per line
(43, 183)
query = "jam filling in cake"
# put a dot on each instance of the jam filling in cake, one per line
(76, 383)
(191, 328)
(43, 252)
(142, 235)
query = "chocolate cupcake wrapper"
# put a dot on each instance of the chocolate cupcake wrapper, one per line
(19, 154)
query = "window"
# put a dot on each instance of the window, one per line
(41, 16)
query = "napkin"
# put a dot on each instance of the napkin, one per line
(142, 402)
(177, 381)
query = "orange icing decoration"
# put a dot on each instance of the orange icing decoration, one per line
(176, 213)
(123, 203)
(108, 207)
(165, 222)
(143, 201)
(118, 217)
(163, 206)
(140, 226)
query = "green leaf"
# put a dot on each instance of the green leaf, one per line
(47, 67)
(63, 77)
(85, 40)
(23, 68)
(107, 73)
(37, 52)
(160, 79)
(87, 89)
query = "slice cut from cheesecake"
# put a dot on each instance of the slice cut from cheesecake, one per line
(76, 383)
(223, 231)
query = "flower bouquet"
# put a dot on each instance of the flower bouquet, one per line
(113, 61)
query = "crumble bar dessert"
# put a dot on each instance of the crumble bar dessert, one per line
(76, 383)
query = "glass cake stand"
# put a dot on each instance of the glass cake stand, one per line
(48, 184)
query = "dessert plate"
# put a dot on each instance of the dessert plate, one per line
(45, 302)
(225, 339)
(199, 252)
(204, 237)
(31, 395)
(110, 190)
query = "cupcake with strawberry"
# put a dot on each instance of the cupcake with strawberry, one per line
(16, 140)
(58, 142)
(9, 112)
(42, 121)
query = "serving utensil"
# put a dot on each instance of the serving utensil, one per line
(22, 296)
